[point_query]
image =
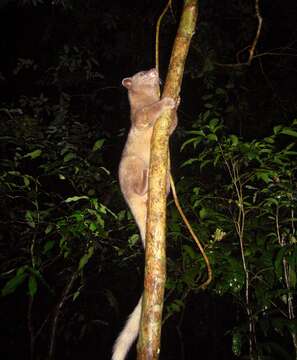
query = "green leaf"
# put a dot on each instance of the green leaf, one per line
(76, 198)
(208, 106)
(93, 226)
(236, 343)
(212, 137)
(86, 257)
(195, 140)
(48, 246)
(234, 140)
(76, 295)
(16, 173)
(278, 264)
(203, 213)
(98, 144)
(220, 91)
(272, 201)
(133, 239)
(189, 162)
(69, 156)
(264, 175)
(121, 215)
(269, 140)
(204, 163)
(98, 217)
(15, 282)
(30, 219)
(190, 252)
(49, 228)
(176, 306)
(83, 261)
(288, 131)
(277, 129)
(291, 153)
(205, 115)
(34, 154)
(32, 285)
(213, 123)
(26, 180)
(78, 215)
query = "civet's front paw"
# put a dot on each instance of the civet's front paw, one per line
(168, 102)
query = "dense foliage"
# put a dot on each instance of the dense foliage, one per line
(70, 259)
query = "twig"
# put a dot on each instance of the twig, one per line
(287, 281)
(254, 44)
(239, 227)
(180, 335)
(251, 47)
(57, 314)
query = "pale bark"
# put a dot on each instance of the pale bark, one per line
(155, 257)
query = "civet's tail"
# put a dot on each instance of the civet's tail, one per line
(128, 334)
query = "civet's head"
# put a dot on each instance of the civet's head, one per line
(143, 83)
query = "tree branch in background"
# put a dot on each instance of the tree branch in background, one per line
(251, 48)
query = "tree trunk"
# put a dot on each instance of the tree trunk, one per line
(155, 256)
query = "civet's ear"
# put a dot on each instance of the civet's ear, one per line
(127, 82)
